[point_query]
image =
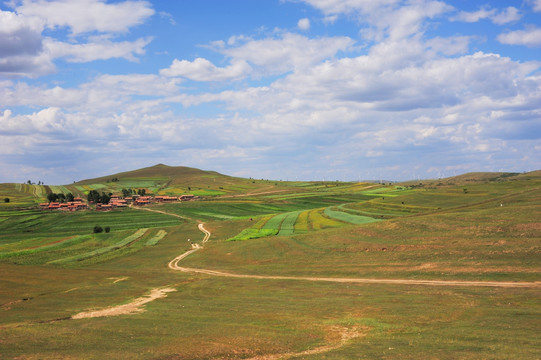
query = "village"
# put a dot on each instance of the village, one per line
(114, 203)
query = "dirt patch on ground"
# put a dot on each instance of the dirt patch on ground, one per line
(341, 335)
(131, 308)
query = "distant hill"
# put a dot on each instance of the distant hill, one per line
(162, 179)
(479, 177)
(153, 172)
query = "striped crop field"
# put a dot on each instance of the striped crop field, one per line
(298, 222)
(156, 238)
(35, 190)
(50, 246)
(59, 189)
(95, 186)
(287, 227)
(336, 214)
(302, 224)
(127, 241)
(318, 221)
(275, 222)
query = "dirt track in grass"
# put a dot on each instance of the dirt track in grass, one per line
(126, 309)
(173, 264)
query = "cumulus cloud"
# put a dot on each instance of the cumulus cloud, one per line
(256, 58)
(394, 18)
(536, 5)
(97, 49)
(304, 24)
(21, 46)
(83, 16)
(26, 52)
(501, 17)
(18, 35)
(334, 7)
(287, 52)
(203, 70)
(531, 37)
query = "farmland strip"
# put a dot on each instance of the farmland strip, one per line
(154, 240)
(347, 217)
(124, 243)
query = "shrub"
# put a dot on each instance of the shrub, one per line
(107, 229)
(98, 229)
(6, 200)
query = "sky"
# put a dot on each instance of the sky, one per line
(271, 89)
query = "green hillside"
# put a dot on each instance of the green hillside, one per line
(439, 269)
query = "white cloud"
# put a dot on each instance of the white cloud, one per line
(531, 37)
(334, 7)
(394, 18)
(304, 24)
(45, 121)
(474, 16)
(256, 58)
(97, 49)
(501, 17)
(508, 15)
(289, 52)
(25, 52)
(536, 5)
(21, 46)
(82, 16)
(203, 70)
(451, 45)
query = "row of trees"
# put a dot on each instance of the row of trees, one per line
(52, 197)
(103, 198)
(95, 197)
(130, 192)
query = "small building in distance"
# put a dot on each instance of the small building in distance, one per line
(118, 202)
(187, 197)
(165, 198)
(69, 206)
(142, 200)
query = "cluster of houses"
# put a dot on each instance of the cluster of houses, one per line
(76, 204)
(115, 202)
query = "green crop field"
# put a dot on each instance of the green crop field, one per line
(446, 269)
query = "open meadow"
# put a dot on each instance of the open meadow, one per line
(443, 269)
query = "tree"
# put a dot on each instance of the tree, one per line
(6, 200)
(98, 229)
(104, 198)
(107, 229)
(93, 196)
(69, 197)
(52, 197)
(126, 193)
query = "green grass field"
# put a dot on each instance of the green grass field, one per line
(53, 266)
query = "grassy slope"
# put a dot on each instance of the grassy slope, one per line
(440, 233)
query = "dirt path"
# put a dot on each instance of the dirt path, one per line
(173, 264)
(345, 334)
(131, 308)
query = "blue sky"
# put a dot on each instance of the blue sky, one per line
(274, 89)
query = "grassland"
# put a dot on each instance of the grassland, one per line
(53, 266)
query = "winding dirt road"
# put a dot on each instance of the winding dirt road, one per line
(173, 264)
